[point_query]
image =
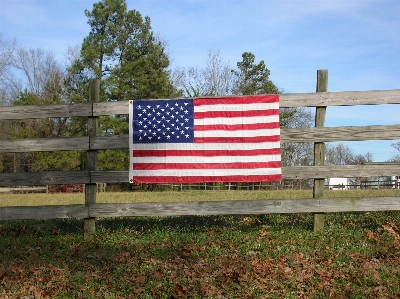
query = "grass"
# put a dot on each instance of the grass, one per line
(171, 196)
(263, 256)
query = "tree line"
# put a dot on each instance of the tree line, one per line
(132, 63)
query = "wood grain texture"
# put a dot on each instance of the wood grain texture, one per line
(343, 171)
(91, 159)
(350, 133)
(44, 144)
(44, 111)
(319, 147)
(43, 212)
(111, 108)
(354, 133)
(348, 98)
(235, 207)
(104, 176)
(109, 142)
(311, 205)
(44, 178)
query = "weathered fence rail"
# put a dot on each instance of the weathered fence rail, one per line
(236, 207)
(290, 173)
(348, 98)
(93, 143)
(324, 134)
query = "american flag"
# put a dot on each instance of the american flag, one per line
(227, 139)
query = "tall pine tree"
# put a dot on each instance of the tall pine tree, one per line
(251, 78)
(122, 51)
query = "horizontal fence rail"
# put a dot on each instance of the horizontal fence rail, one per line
(325, 99)
(288, 173)
(233, 207)
(93, 143)
(324, 134)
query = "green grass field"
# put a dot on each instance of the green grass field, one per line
(263, 256)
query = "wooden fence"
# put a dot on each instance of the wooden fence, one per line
(92, 143)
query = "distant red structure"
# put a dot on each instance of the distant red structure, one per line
(74, 188)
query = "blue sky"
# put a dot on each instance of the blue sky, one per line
(358, 41)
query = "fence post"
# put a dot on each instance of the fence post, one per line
(91, 159)
(319, 148)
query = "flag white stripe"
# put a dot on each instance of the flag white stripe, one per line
(206, 172)
(236, 107)
(205, 146)
(236, 120)
(237, 133)
(201, 160)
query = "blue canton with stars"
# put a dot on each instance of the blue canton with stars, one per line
(163, 121)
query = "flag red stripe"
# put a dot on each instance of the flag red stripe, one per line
(236, 100)
(274, 125)
(248, 113)
(205, 179)
(204, 153)
(257, 139)
(246, 165)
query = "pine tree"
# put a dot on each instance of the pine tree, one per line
(121, 51)
(251, 78)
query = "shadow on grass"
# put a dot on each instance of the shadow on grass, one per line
(275, 222)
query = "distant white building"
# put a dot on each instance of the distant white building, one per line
(338, 183)
(395, 181)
